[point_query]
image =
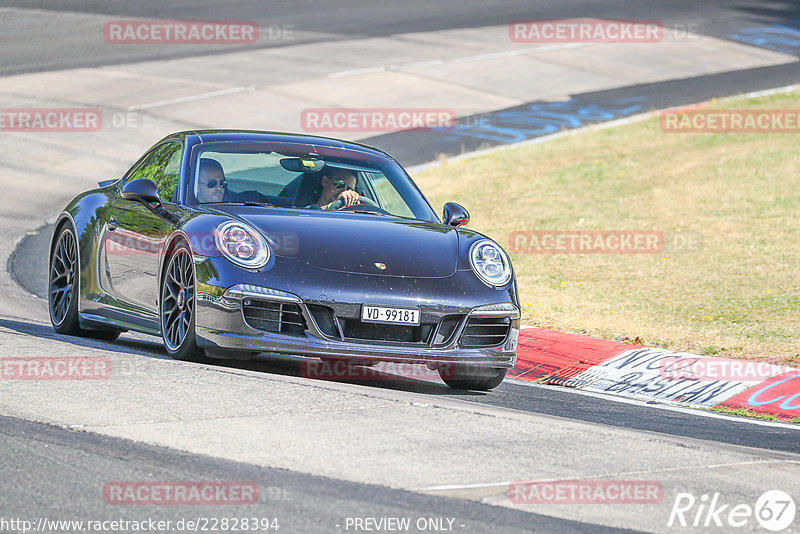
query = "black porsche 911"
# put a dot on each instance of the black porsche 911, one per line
(234, 243)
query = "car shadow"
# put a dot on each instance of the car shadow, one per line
(378, 376)
(125, 343)
(404, 378)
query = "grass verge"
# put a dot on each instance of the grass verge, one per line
(743, 412)
(736, 293)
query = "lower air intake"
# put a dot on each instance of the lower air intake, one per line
(485, 332)
(278, 317)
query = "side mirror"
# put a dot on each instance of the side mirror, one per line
(455, 214)
(142, 190)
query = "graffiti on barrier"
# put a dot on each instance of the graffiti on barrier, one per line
(761, 396)
(778, 396)
(639, 373)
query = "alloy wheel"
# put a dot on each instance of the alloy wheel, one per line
(177, 299)
(63, 269)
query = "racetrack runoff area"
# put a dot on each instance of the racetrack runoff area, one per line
(717, 203)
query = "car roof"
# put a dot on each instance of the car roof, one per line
(209, 136)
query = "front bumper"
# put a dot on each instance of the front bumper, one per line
(221, 325)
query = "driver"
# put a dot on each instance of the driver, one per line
(339, 184)
(211, 183)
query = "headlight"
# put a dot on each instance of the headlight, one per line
(490, 263)
(242, 245)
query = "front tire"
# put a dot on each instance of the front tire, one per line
(177, 306)
(471, 377)
(62, 287)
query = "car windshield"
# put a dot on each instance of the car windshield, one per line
(300, 176)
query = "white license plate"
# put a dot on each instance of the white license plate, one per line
(379, 314)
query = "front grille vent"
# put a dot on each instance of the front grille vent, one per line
(446, 330)
(485, 331)
(326, 321)
(269, 316)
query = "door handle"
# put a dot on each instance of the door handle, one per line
(112, 224)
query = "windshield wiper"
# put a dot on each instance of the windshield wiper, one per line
(245, 203)
(372, 212)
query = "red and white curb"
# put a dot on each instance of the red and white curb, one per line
(656, 374)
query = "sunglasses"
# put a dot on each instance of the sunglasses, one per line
(211, 184)
(341, 184)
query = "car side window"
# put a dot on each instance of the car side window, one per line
(388, 196)
(162, 165)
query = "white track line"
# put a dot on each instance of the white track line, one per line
(434, 62)
(450, 487)
(192, 98)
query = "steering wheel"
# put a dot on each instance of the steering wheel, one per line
(338, 204)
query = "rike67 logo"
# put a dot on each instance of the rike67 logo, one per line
(774, 510)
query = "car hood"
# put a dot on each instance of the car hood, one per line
(359, 243)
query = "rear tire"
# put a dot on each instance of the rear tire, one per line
(471, 377)
(176, 308)
(63, 289)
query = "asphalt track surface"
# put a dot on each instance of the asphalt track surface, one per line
(346, 19)
(414, 148)
(44, 465)
(512, 394)
(300, 503)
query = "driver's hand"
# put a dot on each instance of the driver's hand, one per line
(349, 197)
